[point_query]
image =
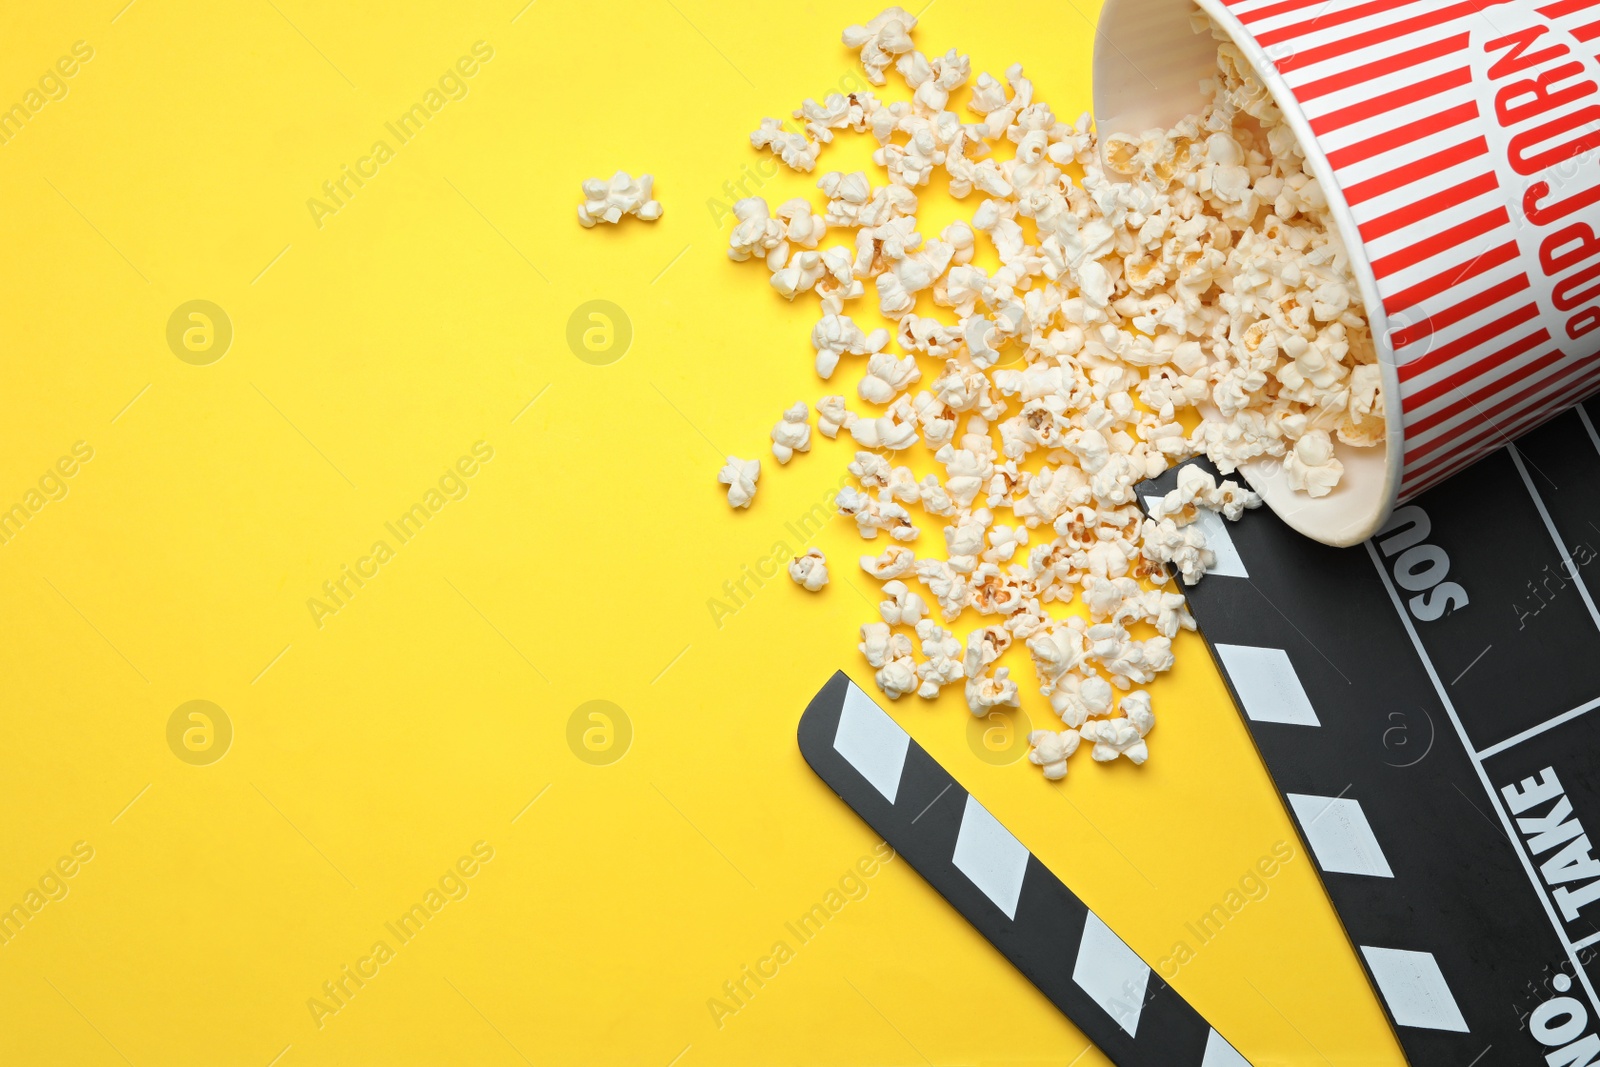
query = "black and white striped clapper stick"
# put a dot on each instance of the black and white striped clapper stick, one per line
(1001, 888)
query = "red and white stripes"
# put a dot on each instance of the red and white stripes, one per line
(1390, 91)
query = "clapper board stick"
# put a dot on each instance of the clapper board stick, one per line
(1001, 888)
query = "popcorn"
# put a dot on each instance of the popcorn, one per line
(1056, 650)
(852, 201)
(892, 562)
(810, 571)
(757, 233)
(983, 648)
(609, 201)
(964, 541)
(1183, 547)
(943, 665)
(1136, 707)
(880, 645)
(792, 433)
(794, 149)
(887, 377)
(836, 112)
(1141, 275)
(894, 431)
(986, 692)
(836, 335)
(804, 272)
(832, 416)
(802, 228)
(1198, 489)
(897, 677)
(1312, 467)
(870, 469)
(1004, 542)
(902, 485)
(884, 37)
(871, 516)
(934, 80)
(1125, 659)
(903, 608)
(935, 500)
(949, 587)
(1079, 696)
(1123, 736)
(928, 336)
(740, 475)
(1050, 751)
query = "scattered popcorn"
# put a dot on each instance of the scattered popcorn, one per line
(757, 233)
(1147, 281)
(870, 469)
(880, 40)
(987, 692)
(1197, 489)
(810, 571)
(893, 562)
(1123, 736)
(887, 377)
(1078, 697)
(943, 664)
(1057, 649)
(903, 608)
(796, 152)
(1050, 751)
(1183, 547)
(740, 475)
(897, 677)
(792, 433)
(605, 201)
(836, 335)
(886, 431)
(880, 645)
(984, 647)
(1136, 707)
(832, 416)
(948, 587)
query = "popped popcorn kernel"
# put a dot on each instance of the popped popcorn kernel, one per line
(1050, 751)
(792, 433)
(810, 571)
(740, 475)
(609, 201)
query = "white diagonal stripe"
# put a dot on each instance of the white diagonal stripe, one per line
(1221, 1054)
(991, 857)
(1267, 685)
(1111, 973)
(1340, 835)
(1414, 988)
(872, 742)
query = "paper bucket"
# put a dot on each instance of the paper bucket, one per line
(1459, 147)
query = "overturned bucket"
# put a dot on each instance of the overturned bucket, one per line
(1458, 144)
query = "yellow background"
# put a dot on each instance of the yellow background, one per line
(370, 753)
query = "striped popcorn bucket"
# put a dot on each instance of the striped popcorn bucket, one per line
(1459, 147)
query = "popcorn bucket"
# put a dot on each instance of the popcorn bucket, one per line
(1458, 143)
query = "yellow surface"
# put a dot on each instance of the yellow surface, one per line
(372, 752)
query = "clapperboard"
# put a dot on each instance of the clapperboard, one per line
(1426, 704)
(1001, 888)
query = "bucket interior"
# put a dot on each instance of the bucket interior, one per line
(1148, 64)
